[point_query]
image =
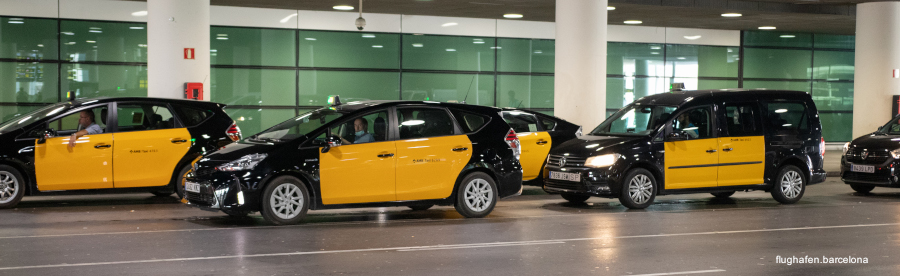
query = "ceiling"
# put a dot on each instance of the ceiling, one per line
(818, 16)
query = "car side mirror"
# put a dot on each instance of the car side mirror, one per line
(676, 136)
(330, 142)
(46, 134)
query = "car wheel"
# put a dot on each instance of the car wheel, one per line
(12, 187)
(179, 180)
(285, 201)
(638, 189)
(477, 195)
(420, 207)
(576, 199)
(789, 185)
(862, 189)
(723, 194)
(161, 194)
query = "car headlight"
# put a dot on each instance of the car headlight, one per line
(244, 163)
(601, 161)
(846, 147)
(895, 154)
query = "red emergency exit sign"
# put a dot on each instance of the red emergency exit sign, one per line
(188, 53)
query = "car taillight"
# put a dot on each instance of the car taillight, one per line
(234, 132)
(513, 141)
(822, 148)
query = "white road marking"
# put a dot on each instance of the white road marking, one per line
(682, 272)
(496, 244)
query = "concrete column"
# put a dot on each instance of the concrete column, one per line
(877, 54)
(172, 26)
(580, 78)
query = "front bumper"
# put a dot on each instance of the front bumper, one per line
(220, 192)
(886, 174)
(593, 181)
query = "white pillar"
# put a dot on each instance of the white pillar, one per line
(172, 26)
(877, 55)
(580, 74)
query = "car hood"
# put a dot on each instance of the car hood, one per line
(237, 150)
(590, 145)
(873, 141)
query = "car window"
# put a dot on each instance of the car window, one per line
(788, 118)
(547, 123)
(192, 116)
(695, 123)
(138, 117)
(470, 122)
(742, 120)
(363, 129)
(521, 121)
(68, 124)
(424, 122)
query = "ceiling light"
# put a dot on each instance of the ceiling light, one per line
(213, 50)
(139, 13)
(16, 22)
(478, 42)
(692, 37)
(448, 24)
(451, 50)
(682, 58)
(654, 53)
(68, 33)
(222, 38)
(96, 31)
(368, 36)
(767, 28)
(730, 50)
(633, 22)
(495, 48)
(377, 46)
(222, 35)
(512, 15)
(310, 38)
(417, 45)
(91, 41)
(538, 52)
(40, 45)
(610, 8)
(732, 14)
(655, 47)
(136, 28)
(286, 19)
(343, 7)
(787, 36)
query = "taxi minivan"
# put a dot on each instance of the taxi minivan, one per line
(538, 133)
(364, 154)
(710, 141)
(872, 160)
(145, 144)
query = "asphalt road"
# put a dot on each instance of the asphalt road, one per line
(533, 234)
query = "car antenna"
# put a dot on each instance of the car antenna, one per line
(520, 104)
(470, 89)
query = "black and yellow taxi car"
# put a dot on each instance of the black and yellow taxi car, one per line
(538, 133)
(872, 160)
(364, 154)
(132, 144)
(713, 141)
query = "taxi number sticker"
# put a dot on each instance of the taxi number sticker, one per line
(192, 187)
(565, 176)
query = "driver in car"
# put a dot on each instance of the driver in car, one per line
(86, 126)
(684, 122)
(361, 126)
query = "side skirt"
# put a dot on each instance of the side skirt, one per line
(758, 187)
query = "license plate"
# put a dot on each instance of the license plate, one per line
(192, 187)
(862, 168)
(565, 176)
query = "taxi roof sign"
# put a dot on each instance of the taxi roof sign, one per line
(70, 95)
(334, 100)
(678, 86)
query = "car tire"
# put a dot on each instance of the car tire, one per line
(179, 180)
(420, 207)
(789, 185)
(476, 195)
(575, 199)
(638, 189)
(280, 212)
(723, 194)
(862, 189)
(12, 187)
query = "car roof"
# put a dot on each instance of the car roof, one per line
(678, 98)
(83, 101)
(359, 105)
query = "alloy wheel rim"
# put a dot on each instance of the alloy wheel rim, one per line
(9, 187)
(640, 189)
(287, 201)
(791, 184)
(478, 195)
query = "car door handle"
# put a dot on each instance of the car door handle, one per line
(179, 141)
(541, 142)
(460, 149)
(710, 151)
(102, 146)
(386, 155)
(728, 149)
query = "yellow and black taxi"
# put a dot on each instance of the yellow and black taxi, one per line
(713, 141)
(538, 133)
(126, 144)
(364, 154)
(872, 160)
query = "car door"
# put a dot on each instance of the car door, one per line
(691, 160)
(431, 152)
(87, 165)
(742, 147)
(362, 170)
(149, 143)
(535, 142)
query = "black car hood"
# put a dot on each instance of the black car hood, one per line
(237, 150)
(877, 141)
(590, 145)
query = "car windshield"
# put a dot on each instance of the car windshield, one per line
(20, 120)
(298, 126)
(635, 120)
(892, 127)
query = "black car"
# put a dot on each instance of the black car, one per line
(538, 133)
(364, 154)
(140, 144)
(871, 160)
(713, 141)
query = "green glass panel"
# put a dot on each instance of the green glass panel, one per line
(833, 65)
(9, 112)
(836, 126)
(473, 88)
(103, 41)
(623, 91)
(431, 52)
(253, 86)
(777, 39)
(254, 120)
(833, 95)
(525, 91)
(30, 82)
(249, 46)
(835, 41)
(634, 59)
(702, 61)
(28, 38)
(316, 86)
(777, 63)
(349, 50)
(526, 55)
(104, 80)
(717, 84)
(778, 85)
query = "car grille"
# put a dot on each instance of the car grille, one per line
(868, 177)
(205, 199)
(570, 161)
(878, 156)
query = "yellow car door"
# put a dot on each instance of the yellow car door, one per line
(362, 171)
(535, 142)
(87, 165)
(691, 161)
(743, 149)
(149, 144)
(430, 154)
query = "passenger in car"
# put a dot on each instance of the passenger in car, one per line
(86, 126)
